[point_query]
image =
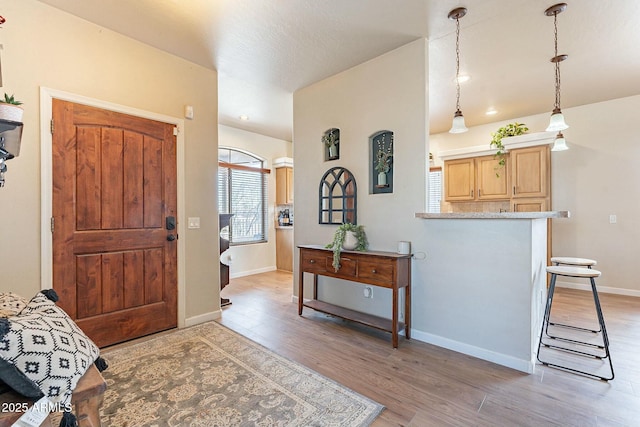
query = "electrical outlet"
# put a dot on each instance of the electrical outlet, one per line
(368, 292)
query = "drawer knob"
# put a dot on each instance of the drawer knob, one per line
(374, 271)
(312, 261)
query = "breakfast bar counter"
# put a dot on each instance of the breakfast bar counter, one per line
(484, 281)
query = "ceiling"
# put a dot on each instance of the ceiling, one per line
(264, 50)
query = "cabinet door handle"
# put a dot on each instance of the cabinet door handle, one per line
(346, 259)
(478, 192)
(312, 261)
(514, 189)
(471, 194)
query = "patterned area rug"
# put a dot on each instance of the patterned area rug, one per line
(210, 376)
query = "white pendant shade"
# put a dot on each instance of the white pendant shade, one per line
(557, 122)
(560, 144)
(458, 125)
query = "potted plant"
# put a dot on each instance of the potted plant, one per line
(10, 109)
(382, 166)
(329, 139)
(347, 236)
(512, 129)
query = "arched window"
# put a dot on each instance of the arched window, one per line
(242, 192)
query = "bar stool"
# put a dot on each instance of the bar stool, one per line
(575, 262)
(579, 272)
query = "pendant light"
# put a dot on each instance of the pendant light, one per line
(458, 125)
(557, 122)
(559, 144)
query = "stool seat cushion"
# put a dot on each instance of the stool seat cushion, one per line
(562, 270)
(573, 261)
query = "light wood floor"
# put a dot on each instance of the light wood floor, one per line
(424, 385)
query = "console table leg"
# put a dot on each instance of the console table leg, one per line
(300, 291)
(407, 311)
(394, 319)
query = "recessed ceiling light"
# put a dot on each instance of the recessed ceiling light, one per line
(491, 112)
(244, 117)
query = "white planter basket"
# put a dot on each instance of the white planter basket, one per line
(11, 112)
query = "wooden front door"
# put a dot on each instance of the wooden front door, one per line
(114, 197)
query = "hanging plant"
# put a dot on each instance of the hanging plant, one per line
(339, 238)
(512, 129)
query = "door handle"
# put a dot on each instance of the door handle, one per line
(171, 237)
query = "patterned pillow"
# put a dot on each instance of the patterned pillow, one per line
(43, 351)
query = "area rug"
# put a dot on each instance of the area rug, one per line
(210, 376)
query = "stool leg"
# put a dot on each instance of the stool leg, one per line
(547, 312)
(605, 337)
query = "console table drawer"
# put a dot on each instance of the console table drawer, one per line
(378, 272)
(314, 262)
(348, 267)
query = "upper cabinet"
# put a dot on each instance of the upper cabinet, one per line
(476, 178)
(284, 186)
(530, 171)
(459, 180)
(492, 178)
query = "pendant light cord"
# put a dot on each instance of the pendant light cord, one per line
(556, 60)
(458, 65)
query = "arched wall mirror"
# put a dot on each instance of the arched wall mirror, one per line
(337, 197)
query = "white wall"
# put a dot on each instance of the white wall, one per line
(387, 92)
(597, 177)
(259, 257)
(43, 46)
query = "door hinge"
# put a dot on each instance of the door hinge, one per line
(175, 131)
(53, 223)
(51, 126)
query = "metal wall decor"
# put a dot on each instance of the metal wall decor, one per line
(381, 162)
(331, 143)
(337, 197)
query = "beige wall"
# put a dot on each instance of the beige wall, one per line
(260, 257)
(386, 93)
(46, 47)
(597, 177)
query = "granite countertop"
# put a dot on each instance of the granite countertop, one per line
(494, 215)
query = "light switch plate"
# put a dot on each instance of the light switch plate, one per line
(194, 222)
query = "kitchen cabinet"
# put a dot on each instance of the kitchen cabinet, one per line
(284, 186)
(459, 180)
(532, 204)
(492, 179)
(530, 171)
(284, 248)
(476, 178)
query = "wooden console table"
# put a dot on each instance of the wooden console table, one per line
(384, 269)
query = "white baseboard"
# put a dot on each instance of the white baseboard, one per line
(250, 272)
(601, 289)
(202, 318)
(481, 353)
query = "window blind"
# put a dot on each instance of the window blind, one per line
(242, 192)
(435, 190)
